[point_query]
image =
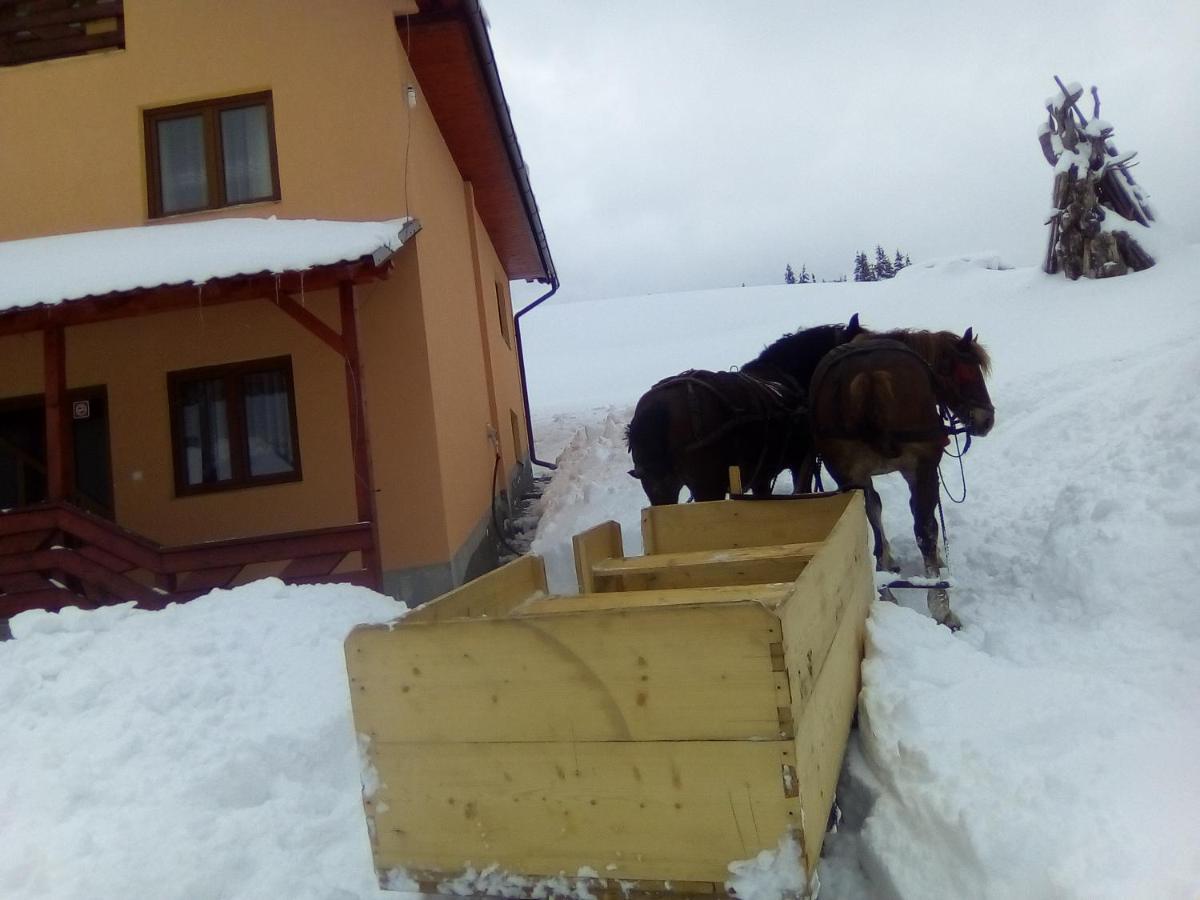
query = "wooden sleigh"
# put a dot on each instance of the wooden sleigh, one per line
(688, 708)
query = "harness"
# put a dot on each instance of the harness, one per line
(772, 400)
(950, 424)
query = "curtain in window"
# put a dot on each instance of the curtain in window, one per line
(245, 143)
(181, 164)
(205, 427)
(268, 423)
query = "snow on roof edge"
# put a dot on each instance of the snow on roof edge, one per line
(48, 271)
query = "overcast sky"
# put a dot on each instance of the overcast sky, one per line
(684, 145)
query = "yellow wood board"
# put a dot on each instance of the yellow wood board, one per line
(722, 524)
(701, 672)
(602, 541)
(811, 616)
(493, 594)
(703, 568)
(769, 595)
(823, 625)
(823, 727)
(601, 888)
(647, 810)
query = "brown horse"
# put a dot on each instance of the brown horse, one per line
(881, 404)
(689, 429)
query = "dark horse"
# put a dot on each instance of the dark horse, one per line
(880, 404)
(690, 428)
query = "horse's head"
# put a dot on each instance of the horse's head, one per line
(961, 368)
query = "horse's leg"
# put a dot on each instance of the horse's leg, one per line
(884, 562)
(802, 475)
(883, 552)
(923, 494)
(710, 485)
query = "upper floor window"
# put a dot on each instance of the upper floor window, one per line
(211, 154)
(31, 30)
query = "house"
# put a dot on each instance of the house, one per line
(254, 297)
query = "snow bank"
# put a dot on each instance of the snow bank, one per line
(202, 751)
(1047, 750)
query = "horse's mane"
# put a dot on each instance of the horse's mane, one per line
(784, 353)
(934, 346)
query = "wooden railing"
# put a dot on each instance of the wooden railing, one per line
(55, 555)
(32, 30)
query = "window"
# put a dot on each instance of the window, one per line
(502, 311)
(234, 426)
(211, 154)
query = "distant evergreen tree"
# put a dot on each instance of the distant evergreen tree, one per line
(805, 276)
(898, 263)
(789, 277)
(862, 268)
(907, 261)
(883, 265)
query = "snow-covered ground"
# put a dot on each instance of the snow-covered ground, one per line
(1045, 751)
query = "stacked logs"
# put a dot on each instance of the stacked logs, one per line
(1091, 179)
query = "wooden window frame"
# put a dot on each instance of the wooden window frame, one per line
(503, 306)
(210, 112)
(239, 449)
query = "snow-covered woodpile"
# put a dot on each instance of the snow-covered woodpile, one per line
(1091, 179)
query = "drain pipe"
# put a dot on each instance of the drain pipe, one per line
(521, 365)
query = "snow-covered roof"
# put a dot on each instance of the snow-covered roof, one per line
(51, 270)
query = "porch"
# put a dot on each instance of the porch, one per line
(55, 554)
(63, 539)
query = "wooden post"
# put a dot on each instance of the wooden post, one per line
(360, 446)
(58, 470)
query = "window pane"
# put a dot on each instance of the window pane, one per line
(205, 428)
(182, 164)
(268, 423)
(247, 154)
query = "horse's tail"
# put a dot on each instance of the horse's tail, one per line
(872, 394)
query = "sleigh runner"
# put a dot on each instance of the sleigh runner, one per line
(689, 708)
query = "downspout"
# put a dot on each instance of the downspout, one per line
(521, 366)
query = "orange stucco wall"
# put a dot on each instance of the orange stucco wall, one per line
(72, 159)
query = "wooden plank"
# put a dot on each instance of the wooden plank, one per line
(360, 437)
(493, 594)
(722, 524)
(308, 566)
(51, 599)
(75, 15)
(703, 568)
(824, 728)
(207, 579)
(701, 672)
(769, 595)
(58, 470)
(823, 593)
(598, 888)
(23, 541)
(311, 322)
(823, 623)
(654, 810)
(599, 542)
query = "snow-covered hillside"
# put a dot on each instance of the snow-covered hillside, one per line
(1045, 751)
